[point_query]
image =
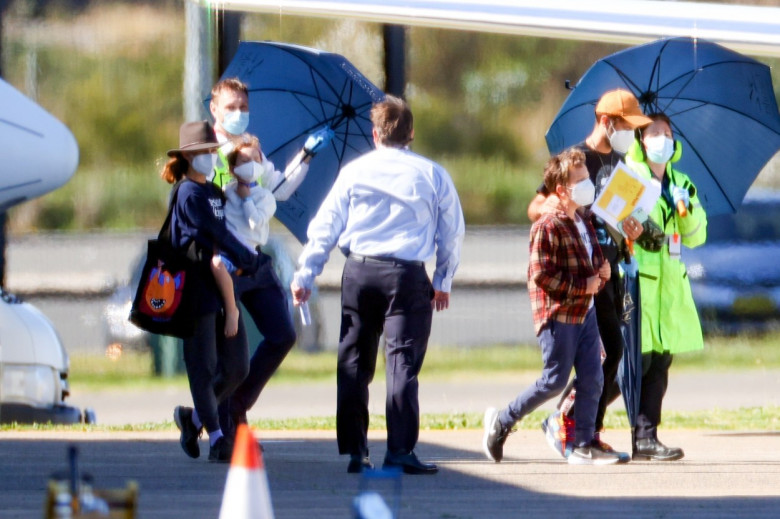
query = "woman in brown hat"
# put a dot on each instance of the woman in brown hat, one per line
(198, 227)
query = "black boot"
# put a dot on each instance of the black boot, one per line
(653, 450)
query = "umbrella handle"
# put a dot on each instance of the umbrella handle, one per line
(681, 209)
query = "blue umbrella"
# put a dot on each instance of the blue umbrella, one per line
(721, 104)
(294, 91)
(629, 375)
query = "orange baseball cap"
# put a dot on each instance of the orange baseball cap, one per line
(622, 103)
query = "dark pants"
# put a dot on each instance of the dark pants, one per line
(609, 308)
(395, 298)
(565, 346)
(215, 365)
(264, 299)
(655, 379)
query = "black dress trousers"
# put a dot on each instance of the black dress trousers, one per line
(379, 296)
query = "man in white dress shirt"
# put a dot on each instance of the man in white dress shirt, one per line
(388, 211)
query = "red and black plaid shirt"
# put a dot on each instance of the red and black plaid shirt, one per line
(558, 269)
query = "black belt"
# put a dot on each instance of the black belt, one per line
(384, 259)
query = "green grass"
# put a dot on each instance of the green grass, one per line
(134, 370)
(744, 419)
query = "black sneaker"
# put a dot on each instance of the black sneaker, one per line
(189, 433)
(221, 451)
(495, 435)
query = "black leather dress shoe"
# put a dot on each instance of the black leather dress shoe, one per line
(358, 463)
(652, 449)
(409, 463)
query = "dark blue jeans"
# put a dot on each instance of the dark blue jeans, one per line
(565, 346)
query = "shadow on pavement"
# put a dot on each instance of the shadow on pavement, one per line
(308, 479)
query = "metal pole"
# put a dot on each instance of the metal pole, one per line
(228, 35)
(3, 217)
(395, 59)
(198, 62)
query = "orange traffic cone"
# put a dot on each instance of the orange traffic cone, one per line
(246, 490)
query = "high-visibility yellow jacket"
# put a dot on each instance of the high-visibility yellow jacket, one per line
(669, 319)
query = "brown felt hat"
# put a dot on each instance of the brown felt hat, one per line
(195, 136)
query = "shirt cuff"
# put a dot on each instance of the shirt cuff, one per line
(442, 284)
(303, 279)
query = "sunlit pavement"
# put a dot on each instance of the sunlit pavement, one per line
(722, 475)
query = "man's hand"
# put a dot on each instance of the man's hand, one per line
(632, 228)
(441, 300)
(300, 295)
(551, 204)
(605, 271)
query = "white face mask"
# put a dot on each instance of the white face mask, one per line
(659, 148)
(249, 171)
(620, 140)
(583, 193)
(204, 163)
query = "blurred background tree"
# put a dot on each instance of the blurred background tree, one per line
(112, 71)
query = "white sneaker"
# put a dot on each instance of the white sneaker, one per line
(592, 455)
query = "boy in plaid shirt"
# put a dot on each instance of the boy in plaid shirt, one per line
(565, 270)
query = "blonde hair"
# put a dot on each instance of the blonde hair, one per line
(232, 84)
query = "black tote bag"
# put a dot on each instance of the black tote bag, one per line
(167, 296)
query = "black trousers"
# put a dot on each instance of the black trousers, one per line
(215, 366)
(264, 299)
(609, 307)
(395, 298)
(655, 379)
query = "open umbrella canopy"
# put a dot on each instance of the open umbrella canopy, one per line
(721, 103)
(294, 91)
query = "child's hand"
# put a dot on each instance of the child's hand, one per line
(243, 190)
(605, 271)
(594, 283)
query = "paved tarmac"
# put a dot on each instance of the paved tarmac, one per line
(724, 474)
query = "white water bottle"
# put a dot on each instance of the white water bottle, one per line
(305, 314)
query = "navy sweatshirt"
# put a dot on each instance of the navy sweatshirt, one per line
(199, 216)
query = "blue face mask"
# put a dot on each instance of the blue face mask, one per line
(235, 122)
(659, 149)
